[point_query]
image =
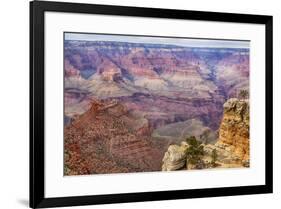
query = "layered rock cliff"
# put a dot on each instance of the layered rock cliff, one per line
(125, 103)
(234, 128)
(108, 139)
(231, 149)
(169, 83)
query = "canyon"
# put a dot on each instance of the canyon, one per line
(126, 103)
(231, 150)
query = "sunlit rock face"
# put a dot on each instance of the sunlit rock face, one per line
(234, 128)
(232, 147)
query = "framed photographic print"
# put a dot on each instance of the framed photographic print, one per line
(135, 104)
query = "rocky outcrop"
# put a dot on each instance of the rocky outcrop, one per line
(175, 157)
(234, 128)
(225, 157)
(105, 139)
(232, 147)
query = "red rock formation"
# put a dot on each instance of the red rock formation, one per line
(153, 85)
(179, 74)
(101, 141)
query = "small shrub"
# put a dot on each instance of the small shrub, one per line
(195, 151)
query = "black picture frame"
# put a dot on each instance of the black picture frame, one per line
(37, 195)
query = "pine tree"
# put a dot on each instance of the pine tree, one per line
(195, 151)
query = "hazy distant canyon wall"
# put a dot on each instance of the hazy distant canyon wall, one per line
(167, 83)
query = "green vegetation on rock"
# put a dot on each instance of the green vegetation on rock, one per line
(195, 151)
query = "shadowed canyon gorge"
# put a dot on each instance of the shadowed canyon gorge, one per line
(130, 106)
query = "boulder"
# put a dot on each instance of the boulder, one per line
(175, 157)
